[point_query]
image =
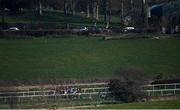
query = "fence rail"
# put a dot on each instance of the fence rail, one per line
(163, 84)
(162, 89)
(87, 89)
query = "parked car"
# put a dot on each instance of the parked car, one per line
(14, 29)
(128, 29)
(83, 29)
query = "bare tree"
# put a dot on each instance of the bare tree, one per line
(93, 9)
(132, 2)
(107, 12)
(88, 10)
(145, 12)
(40, 7)
(73, 5)
(132, 11)
(65, 7)
(97, 10)
(122, 10)
(104, 6)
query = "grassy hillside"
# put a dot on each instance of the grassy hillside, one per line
(57, 18)
(85, 58)
(175, 104)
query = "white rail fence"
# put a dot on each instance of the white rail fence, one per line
(162, 89)
(62, 91)
(151, 90)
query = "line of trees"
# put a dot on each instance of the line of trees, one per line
(134, 10)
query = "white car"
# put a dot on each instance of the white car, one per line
(14, 29)
(83, 29)
(128, 29)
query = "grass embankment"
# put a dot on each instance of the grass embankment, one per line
(85, 58)
(174, 104)
(55, 19)
(84, 104)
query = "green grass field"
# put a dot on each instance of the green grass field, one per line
(84, 104)
(85, 58)
(174, 104)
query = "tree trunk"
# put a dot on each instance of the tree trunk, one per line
(65, 7)
(88, 11)
(122, 10)
(94, 10)
(133, 13)
(109, 14)
(132, 2)
(97, 12)
(105, 10)
(145, 13)
(107, 24)
(164, 24)
(40, 7)
(73, 7)
(110, 10)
